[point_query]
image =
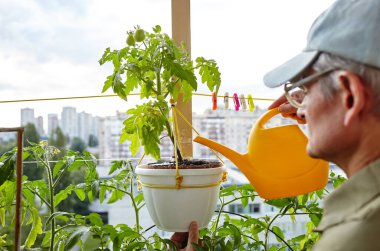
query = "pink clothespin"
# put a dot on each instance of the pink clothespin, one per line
(214, 101)
(236, 102)
(243, 103)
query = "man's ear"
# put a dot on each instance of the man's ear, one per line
(353, 95)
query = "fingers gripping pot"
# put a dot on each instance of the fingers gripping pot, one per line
(174, 201)
(276, 163)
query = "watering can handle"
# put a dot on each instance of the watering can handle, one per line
(267, 116)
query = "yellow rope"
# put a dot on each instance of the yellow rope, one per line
(188, 123)
(106, 96)
(178, 178)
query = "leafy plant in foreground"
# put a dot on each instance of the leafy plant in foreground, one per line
(56, 230)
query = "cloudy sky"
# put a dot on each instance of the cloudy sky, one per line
(51, 48)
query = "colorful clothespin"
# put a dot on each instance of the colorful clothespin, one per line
(251, 105)
(226, 101)
(236, 102)
(214, 101)
(243, 103)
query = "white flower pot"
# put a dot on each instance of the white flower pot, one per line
(173, 209)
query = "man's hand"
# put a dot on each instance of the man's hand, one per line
(286, 109)
(183, 240)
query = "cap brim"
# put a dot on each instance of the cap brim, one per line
(291, 69)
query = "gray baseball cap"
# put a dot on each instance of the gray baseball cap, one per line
(349, 28)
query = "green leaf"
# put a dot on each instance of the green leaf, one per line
(228, 191)
(102, 193)
(116, 243)
(187, 91)
(63, 194)
(107, 83)
(135, 246)
(2, 216)
(273, 248)
(279, 202)
(157, 29)
(35, 230)
(7, 166)
(57, 214)
(278, 233)
(95, 219)
(297, 239)
(339, 180)
(139, 198)
(182, 73)
(75, 237)
(135, 143)
(315, 218)
(95, 187)
(106, 56)
(46, 240)
(80, 193)
(58, 166)
(115, 196)
(29, 196)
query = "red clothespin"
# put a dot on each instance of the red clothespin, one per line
(243, 103)
(236, 102)
(214, 101)
(251, 105)
(226, 101)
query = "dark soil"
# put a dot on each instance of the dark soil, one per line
(186, 164)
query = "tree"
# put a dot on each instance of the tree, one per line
(78, 145)
(59, 140)
(93, 141)
(31, 134)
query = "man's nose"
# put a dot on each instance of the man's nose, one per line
(301, 114)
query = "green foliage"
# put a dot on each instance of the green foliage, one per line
(154, 65)
(58, 140)
(62, 230)
(93, 141)
(31, 135)
(78, 145)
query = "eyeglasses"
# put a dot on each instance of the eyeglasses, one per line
(296, 92)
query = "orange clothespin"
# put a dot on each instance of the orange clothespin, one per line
(251, 105)
(236, 102)
(226, 101)
(243, 103)
(214, 101)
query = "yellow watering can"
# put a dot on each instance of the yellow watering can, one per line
(276, 163)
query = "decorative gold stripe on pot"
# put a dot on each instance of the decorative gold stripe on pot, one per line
(179, 186)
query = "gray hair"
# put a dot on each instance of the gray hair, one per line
(369, 75)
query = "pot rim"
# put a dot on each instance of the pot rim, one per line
(167, 172)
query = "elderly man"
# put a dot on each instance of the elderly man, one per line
(334, 86)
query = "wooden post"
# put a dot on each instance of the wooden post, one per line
(181, 33)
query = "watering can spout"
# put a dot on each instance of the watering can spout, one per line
(240, 160)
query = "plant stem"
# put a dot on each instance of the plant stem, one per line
(267, 230)
(170, 133)
(135, 207)
(39, 196)
(51, 188)
(158, 83)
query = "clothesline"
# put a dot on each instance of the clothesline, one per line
(112, 95)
